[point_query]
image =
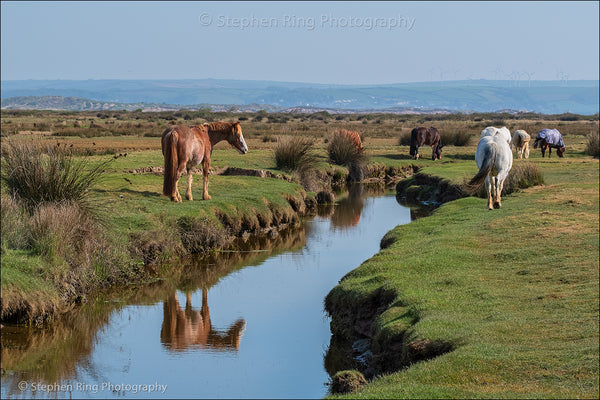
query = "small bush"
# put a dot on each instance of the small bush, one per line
(295, 154)
(592, 147)
(404, 139)
(343, 150)
(459, 138)
(35, 175)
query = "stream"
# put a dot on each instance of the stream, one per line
(240, 324)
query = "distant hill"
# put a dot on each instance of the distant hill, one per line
(549, 97)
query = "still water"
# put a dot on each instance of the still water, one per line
(246, 324)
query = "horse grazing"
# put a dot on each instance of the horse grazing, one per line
(184, 147)
(422, 136)
(494, 160)
(548, 139)
(493, 131)
(520, 142)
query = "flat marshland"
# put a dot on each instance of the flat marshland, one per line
(471, 303)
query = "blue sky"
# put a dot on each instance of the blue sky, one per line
(319, 42)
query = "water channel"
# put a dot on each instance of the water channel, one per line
(244, 324)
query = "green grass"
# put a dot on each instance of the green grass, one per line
(515, 291)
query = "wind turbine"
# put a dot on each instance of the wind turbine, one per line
(528, 75)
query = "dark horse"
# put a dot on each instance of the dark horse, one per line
(184, 147)
(547, 139)
(423, 136)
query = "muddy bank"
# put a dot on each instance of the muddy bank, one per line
(428, 189)
(356, 342)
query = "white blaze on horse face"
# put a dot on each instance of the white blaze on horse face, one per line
(240, 144)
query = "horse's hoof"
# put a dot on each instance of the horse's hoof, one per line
(497, 205)
(207, 197)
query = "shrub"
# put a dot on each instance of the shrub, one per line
(34, 175)
(404, 139)
(295, 154)
(458, 138)
(343, 150)
(592, 147)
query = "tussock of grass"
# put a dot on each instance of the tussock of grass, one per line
(36, 174)
(457, 138)
(592, 145)
(342, 150)
(295, 154)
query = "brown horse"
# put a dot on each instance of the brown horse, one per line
(184, 147)
(422, 136)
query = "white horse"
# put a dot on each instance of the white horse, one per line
(494, 160)
(520, 142)
(493, 131)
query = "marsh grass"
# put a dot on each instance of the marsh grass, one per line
(35, 174)
(592, 145)
(295, 153)
(343, 151)
(457, 138)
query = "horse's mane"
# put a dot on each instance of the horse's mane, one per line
(220, 126)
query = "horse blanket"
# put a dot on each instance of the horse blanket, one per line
(552, 137)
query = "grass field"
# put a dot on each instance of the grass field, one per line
(510, 295)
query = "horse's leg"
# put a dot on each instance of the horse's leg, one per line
(497, 192)
(549, 151)
(489, 186)
(176, 196)
(543, 151)
(190, 178)
(205, 167)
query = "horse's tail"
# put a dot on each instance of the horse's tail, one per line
(489, 161)
(169, 148)
(536, 143)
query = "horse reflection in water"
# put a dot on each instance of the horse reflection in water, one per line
(187, 328)
(348, 211)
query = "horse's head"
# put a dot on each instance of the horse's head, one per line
(236, 139)
(560, 151)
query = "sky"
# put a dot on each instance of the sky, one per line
(315, 42)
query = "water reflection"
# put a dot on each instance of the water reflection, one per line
(187, 328)
(282, 298)
(56, 352)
